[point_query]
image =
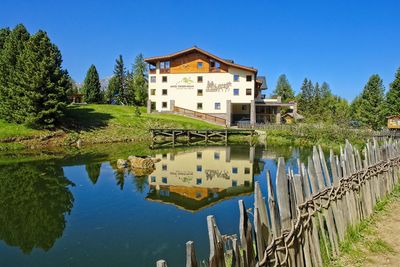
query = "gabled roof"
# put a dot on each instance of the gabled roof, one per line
(393, 116)
(196, 49)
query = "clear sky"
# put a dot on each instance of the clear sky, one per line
(342, 42)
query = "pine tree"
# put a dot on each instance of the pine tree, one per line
(91, 86)
(370, 104)
(304, 97)
(284, 89)
(42, 85)
(4, 33)
(139, 75)
(120, 76)
(393, 96)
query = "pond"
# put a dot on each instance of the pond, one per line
(78, 209)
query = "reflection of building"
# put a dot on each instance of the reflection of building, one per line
(195, 179)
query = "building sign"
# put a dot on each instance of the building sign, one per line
(185, 83)
(222, 87)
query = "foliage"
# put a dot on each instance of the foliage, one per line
(318, 104)
(91, 86)
(137, 81)
(28, 189)
(93, 171)
(284, 89)
(393, 96)
(111, 91)
(33, 85)
(368, 107)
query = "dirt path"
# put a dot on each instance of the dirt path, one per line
(387, 228)
(379, 242)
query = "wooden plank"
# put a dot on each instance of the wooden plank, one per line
(217, 256)
(162, 263)
(261, 224)
(246, 235)
(282, 193)
(191, 260)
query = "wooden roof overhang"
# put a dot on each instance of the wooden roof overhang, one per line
(393, 116)
(154, 60)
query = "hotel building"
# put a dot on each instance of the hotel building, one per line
(197, 83)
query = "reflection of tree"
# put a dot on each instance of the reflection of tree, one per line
(33, 201)
(140, 183)
(93, 171)
(120, 177)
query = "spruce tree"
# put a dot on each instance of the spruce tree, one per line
(370, 105)
(91, 86)
(393, 96)
(284, 89)
(304, 97)
(139, 80)
(111, 91)
(120, 76)
(13, 45)
(42, 83)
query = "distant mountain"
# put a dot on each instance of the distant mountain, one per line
(104, 83)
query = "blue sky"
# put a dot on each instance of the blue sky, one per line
(341, 42)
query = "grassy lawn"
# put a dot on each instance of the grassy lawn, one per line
(107, 123)
(8, 130)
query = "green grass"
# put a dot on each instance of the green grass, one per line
(9, 130)
(104, 124)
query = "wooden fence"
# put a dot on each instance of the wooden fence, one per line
(308, 212)
(199, 115)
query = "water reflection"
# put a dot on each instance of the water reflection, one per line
(196, 179)
(34, 199)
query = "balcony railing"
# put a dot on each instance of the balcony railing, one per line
(164, 70)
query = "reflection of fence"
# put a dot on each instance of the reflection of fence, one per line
(313, 204)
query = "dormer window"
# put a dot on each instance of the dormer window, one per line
(214, 65)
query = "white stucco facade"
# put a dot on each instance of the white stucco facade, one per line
(216, 89)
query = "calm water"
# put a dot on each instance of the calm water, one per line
(82, 211)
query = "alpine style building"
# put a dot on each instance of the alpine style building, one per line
(197, 83)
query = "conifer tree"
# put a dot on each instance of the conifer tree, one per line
(284, 89)
(13, 45)
(304, 97)
(369, 107)
(393, 96)
(120, 83)
(139, 75)
(91, 86)
(111, 91)
(42, 84)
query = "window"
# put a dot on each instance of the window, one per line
(164, 79)
(246, 170)
(199, 65)
(164, 180)
(249, 78)
(152, 67)
(199, 105)
(164, 91)
(248, 91)
(236, 77)
(234, 183)
(199, 79)
(198, 194)
(199, 168)
(152, 79)
(246, 183)
(153, 105)
(152, 91)
(235, 91)
(234, 170)
(214, 64)
(244, 107)
(217, 155)
(164, 167)
(164, 156)
(199, 92)
(198, 181)
(199, 155)
(217, 106)
(164, 66)
(164, 104)
(153, 179)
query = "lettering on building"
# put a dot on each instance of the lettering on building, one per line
(185, 83)
(214, 87)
